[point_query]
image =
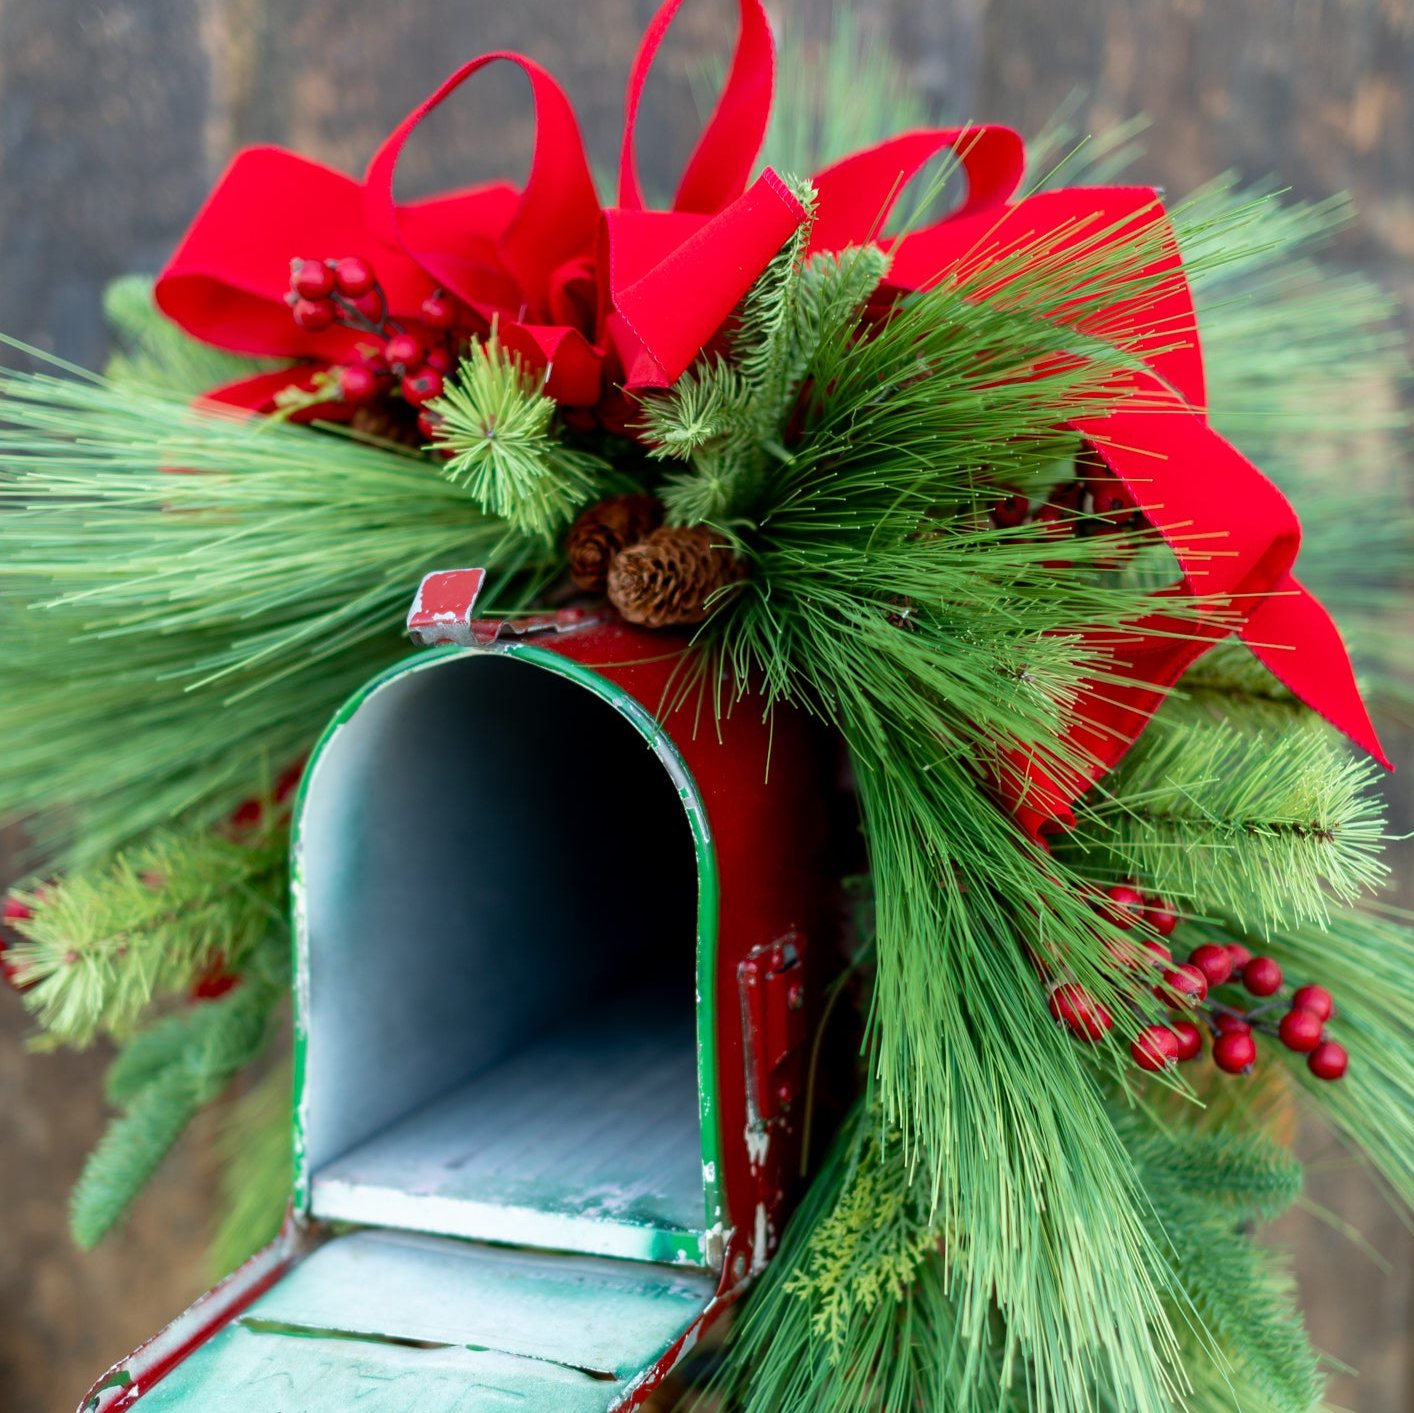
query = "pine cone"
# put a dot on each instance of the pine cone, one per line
(602, 531)
(667, 580)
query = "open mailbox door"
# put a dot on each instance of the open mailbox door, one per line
(553, 999)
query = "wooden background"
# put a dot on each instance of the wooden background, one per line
(116, 116)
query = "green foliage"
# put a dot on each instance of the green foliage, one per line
(860, 1312)
(258, 1173)
(1266, 826)
(185, 1061)
(173, 637)
(836, 94)
(1207, 1191)
(729, 419)
(500, 432)
(155, 353)
(105, 941)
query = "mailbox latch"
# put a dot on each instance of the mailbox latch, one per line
(773, 1014)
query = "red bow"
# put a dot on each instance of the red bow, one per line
(626, 297)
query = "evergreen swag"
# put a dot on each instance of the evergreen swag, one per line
(1007, 1220)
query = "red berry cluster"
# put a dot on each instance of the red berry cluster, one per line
(1186, 988)
(12, 912)
(346, 292)
(1097, 503)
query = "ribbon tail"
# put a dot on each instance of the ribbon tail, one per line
(1293, 634)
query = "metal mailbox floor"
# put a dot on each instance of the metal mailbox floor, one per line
(389, 1322)
(588, 1140)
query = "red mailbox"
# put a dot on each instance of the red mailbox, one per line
(558, 961)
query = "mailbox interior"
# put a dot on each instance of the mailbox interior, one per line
(505, 907)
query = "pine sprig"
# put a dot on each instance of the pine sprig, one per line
(103, 942)
(1267, 828)
(499, 432)
(201, 1051)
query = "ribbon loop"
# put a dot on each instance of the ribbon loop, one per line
(856, 195)
(554, 219)
(720, 165)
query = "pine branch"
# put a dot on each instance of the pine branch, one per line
(498, 430)
(1265, 828)
(172, 639)
(104, 942)
(205, 1050)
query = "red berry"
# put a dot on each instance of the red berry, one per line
(1262, 976)
(440, 359)
(1213, 961)
(438, 311)
(429, 424)
(1328, 1060)
(1010, 512)
(1156, 1047)
(358, 383)
(16, 911)
(311, 279)
(1235, 1051)
(1226, 1024)
(1190, 1039)
(313, 315)
(1315, 999)
(354, 277)
(1076, 1009)
(1301, 1030)
(1111, 500)
(422, 386)
(1182, 986)
(1160, 916)
(404, 351)
(1123, 905)
(214, 982)
(1239, 954)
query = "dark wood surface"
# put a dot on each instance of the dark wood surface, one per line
(116, 116)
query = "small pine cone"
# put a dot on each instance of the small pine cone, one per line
(667, 580)
(602, 531)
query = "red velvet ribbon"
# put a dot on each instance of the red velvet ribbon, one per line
(626, 297)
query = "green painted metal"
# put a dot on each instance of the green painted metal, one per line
(707, 911)
(391, 1322)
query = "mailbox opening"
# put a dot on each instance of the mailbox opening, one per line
(498, 888)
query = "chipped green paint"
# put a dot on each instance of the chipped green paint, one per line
(672, 1247)
(388, 1322)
